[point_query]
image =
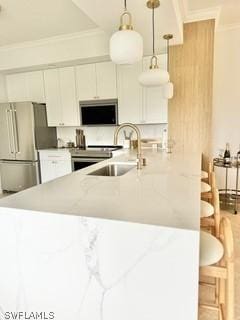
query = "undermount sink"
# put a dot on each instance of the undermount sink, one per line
(113, 170)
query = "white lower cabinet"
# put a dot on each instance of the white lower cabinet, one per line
(54, 164)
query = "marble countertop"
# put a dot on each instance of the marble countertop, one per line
(166, 192)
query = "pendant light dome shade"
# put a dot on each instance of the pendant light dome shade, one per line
(168, 90)
(153, 78)
(126, 47)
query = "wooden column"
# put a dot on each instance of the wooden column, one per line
(191, 71)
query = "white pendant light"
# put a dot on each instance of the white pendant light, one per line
(126, 45)
(155, 76)
(168, 89)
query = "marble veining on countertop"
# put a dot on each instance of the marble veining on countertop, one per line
(166, 192)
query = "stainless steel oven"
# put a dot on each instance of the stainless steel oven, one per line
(79, 163)
(82, 158)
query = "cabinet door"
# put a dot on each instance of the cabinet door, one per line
(53, 169)
(53, 97)
(86, 82)
(17, 87)
(48, 170)
(155, 108)
(106, 80)
(130, 94)
(3, 89)
(70, 106)
(36, 86)
(62, 168)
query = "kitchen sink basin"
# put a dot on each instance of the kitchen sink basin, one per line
(113, 170)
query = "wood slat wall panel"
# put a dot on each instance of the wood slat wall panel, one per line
(191, 71)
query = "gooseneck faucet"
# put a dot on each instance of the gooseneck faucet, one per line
(141, 161)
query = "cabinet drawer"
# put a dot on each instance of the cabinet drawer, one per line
(55, 155)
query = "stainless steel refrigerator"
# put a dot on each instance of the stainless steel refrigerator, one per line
(23, 131)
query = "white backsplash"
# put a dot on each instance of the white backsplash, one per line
(104, 135)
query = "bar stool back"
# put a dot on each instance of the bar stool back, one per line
(213, 222)
(222, 271)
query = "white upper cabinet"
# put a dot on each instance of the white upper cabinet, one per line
(70, 105)
(137, 104)
(26, 87)
(86, 82)
(3, 89)
(97, 81)
(17, 87)
(155, 108)
(130, 95)
(106, 76)
(53, 97)
(61, 97)
(36, 86)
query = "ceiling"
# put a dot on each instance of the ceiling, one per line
(29, 20)
(106, 15)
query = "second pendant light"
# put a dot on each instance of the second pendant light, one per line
(155, 76)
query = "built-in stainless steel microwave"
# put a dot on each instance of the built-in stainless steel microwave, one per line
(99, 112)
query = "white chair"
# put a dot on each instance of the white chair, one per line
(207, 209)
(217, 262)
(211, 249)
(204, 175)
(205, 187)
(211, 221)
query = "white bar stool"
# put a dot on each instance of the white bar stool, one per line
(217, 262)
(211, 249)
(205, 187)
(204, 175)
(207, 209)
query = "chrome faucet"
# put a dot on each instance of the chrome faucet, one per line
(141, 161)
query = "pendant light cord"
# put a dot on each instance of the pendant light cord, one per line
(153, 29)
(125, 5)
(168, 65)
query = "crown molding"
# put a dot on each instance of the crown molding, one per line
(179, 16)
(52, 40)
(199, 15)
(226, 27)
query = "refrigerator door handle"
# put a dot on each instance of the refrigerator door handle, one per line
(10, 131)
(15, 128)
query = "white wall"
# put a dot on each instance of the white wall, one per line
(104, 135)
(226, 109)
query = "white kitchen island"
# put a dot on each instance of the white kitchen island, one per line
(101, 248)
